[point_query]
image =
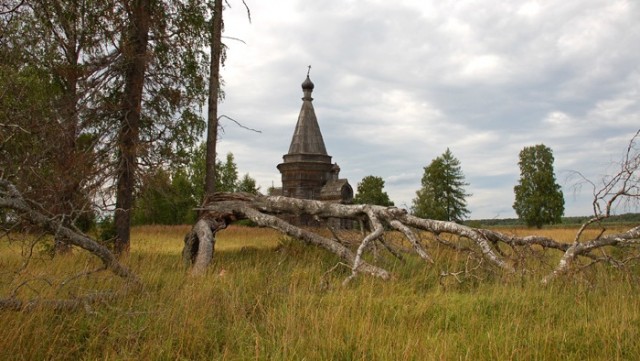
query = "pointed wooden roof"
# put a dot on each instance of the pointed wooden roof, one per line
(307, 138)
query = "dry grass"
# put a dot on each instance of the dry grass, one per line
(269, 298)
(560, 234)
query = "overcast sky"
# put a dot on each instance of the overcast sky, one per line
(397, 82)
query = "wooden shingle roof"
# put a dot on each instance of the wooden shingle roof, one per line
(307, 138)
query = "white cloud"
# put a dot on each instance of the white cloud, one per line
(529, 9)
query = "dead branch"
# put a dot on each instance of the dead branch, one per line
(622, 186)
(389, 247)
(413, 238)
(200, 253)
(631, 237)
(11, 198)
(239, 124)
(467, 272)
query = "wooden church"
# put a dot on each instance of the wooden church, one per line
(307, 171)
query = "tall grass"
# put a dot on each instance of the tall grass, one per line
(270, 298)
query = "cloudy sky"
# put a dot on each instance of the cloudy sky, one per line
(397, 83)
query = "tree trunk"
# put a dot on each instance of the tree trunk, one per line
(135, 58)
(214, 88)
(200, 244)
(67, 161)
(225, 208)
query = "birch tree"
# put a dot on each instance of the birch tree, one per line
(539, 198)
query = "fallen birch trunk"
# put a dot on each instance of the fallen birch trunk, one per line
(225, 208)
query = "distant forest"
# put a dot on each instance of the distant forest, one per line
(566, 221)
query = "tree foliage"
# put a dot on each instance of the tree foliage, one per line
(371, 191)
(51, 54)
(120, 86)
(248, 185)
(226, 174)
(442, 195)
(169, 195)
(166, 198)
(538, 198)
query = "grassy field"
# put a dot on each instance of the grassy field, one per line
(270, 298)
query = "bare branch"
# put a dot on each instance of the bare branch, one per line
(625, 184)
(413, 239)
(239, 124)
(262, 210)
(631, 237)
(11, 198)
(236, 39)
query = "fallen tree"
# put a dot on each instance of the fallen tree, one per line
(27, 213)
(497, 248)
(500, 250)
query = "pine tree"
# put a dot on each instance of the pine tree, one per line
(442, 195)
(227, 175)
(539, 199)
(248, 185)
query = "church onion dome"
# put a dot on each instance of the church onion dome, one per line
(307, 84)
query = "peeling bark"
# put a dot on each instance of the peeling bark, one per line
(200, 244)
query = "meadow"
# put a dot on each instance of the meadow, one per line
(272, 298)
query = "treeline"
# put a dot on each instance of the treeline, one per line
(626, 218)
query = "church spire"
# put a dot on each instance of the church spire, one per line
(307, 138)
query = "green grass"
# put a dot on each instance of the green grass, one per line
(266, 298)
